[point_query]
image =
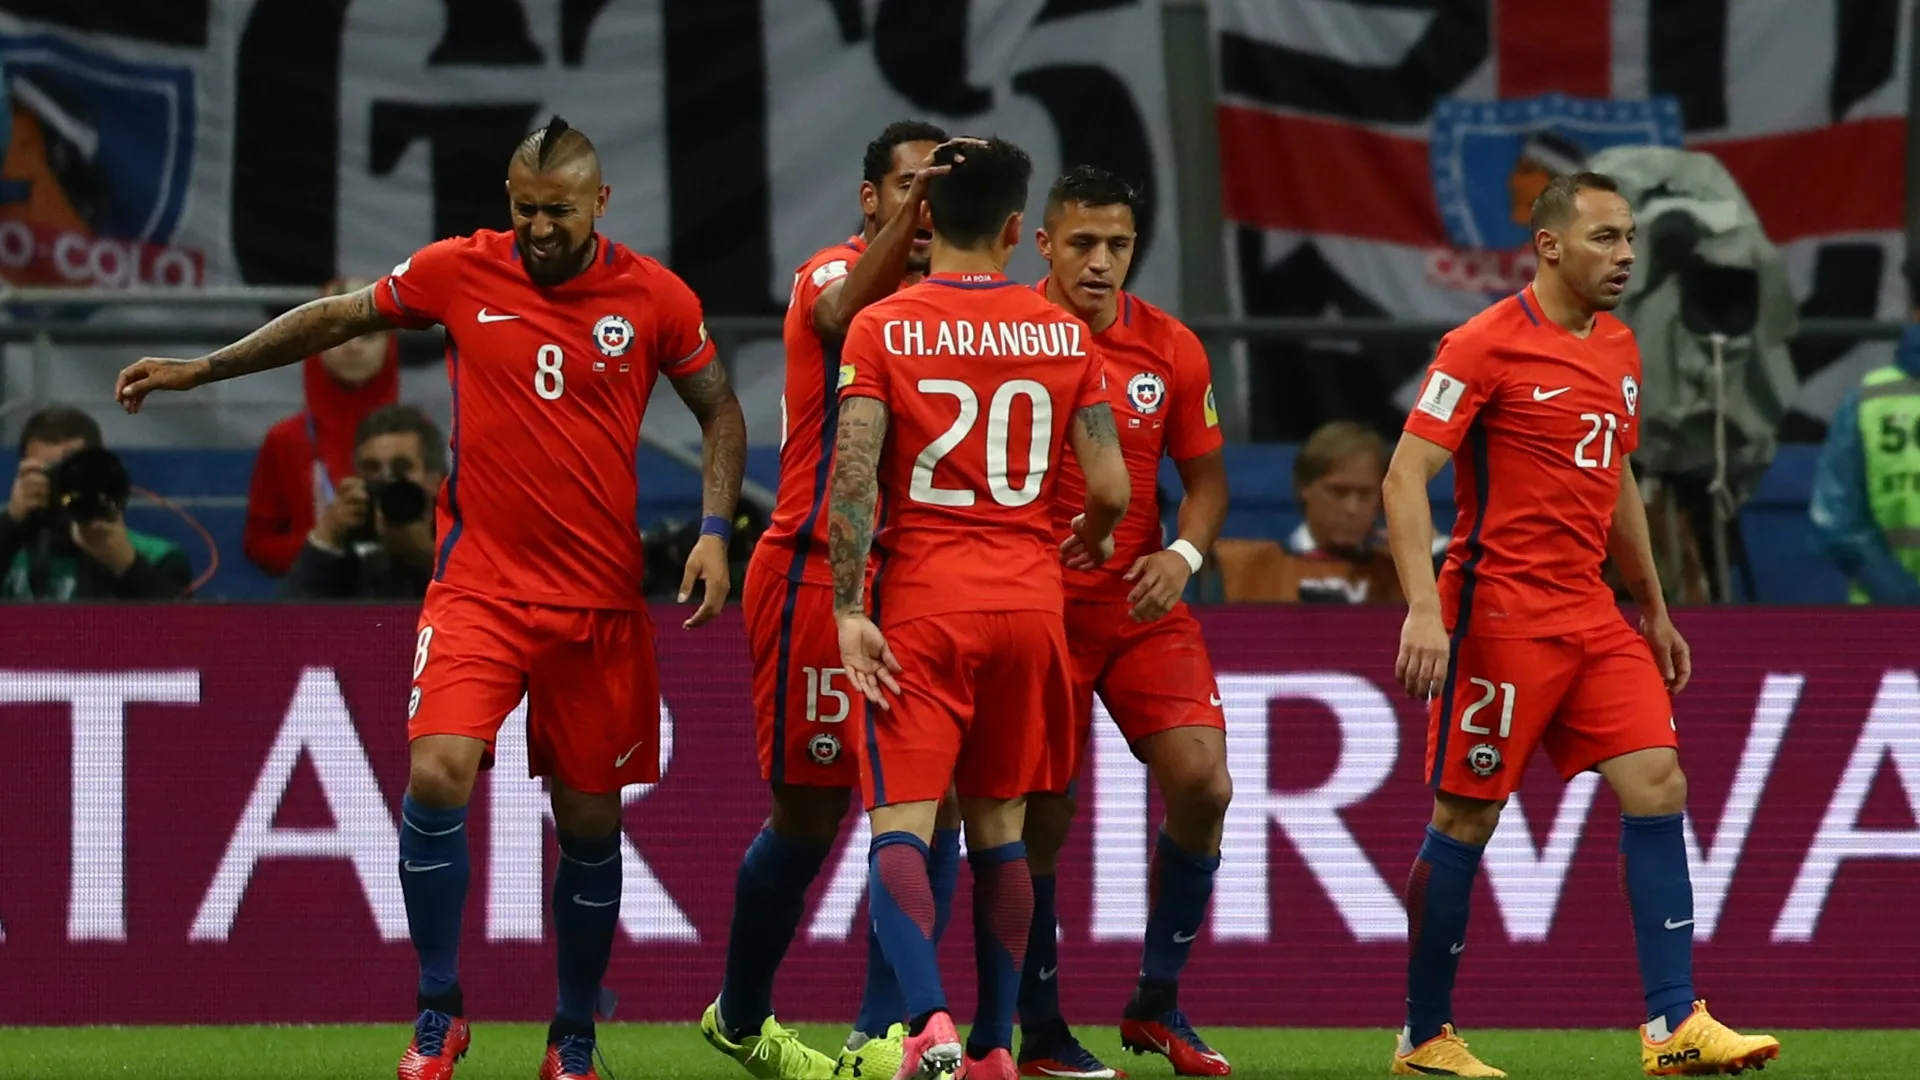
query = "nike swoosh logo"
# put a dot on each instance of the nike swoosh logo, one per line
(412, 868)
(622, 759)
(1671, 925)
(1214, 700)
(584, 902)
(1164, 1048)
(1181, 939)
(1458, 948)
(1548, 395)
(1047, 973)
(485, 316)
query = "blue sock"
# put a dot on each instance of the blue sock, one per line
(433, 881)
(1180, 883)
(769, 900)
(586, 910)
(1653, 871)
(901, 902)
(1002, 918)
(1439, 898)
(1039, 976)
(881, 1005)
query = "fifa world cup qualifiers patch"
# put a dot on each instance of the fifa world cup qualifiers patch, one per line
(828, 272)
(1213, 411)
(1441, 396)
(846, 376)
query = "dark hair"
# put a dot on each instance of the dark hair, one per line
(58, 424)
(1330, 446)
(556, 146)
(406, 420)
(1554, 205)
(879, 160)
(972, 202)
(1090, 185)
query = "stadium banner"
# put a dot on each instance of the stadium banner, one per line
(285, 142)
(197, 824)
(1378, 160)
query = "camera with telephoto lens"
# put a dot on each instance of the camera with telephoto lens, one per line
(401, 502)
(89, 485)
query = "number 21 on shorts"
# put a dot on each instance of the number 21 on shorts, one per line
(1504, 691)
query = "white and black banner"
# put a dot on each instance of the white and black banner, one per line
(287, 141)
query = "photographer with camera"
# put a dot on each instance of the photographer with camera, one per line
(64, 535)
(374, 541)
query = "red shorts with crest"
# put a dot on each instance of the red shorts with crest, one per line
(1152, 677)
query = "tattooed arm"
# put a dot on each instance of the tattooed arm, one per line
(311, 328)
(855, 489)
(1096, 444)
(723, 436)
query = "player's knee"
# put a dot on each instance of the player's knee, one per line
(1470, 821)
(1049, 821)
(1202, 796)
(809, 814)
(1656, 791)
(439, 781)
(585, 814)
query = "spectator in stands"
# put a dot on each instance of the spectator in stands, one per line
(1335, 556)
(306, 455)
(1866, 490)
(374, 541)
(49, 555)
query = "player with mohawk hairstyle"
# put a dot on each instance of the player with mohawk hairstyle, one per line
(555, 338)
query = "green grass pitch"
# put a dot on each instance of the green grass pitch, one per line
(662, 1052)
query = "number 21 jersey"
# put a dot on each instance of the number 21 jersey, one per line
(549, 388)
(981, 378)
(1540, 422)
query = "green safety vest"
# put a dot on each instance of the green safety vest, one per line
(1890, 442)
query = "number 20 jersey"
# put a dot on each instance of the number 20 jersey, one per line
(981, 378)
(549, 388)
(1540, 422)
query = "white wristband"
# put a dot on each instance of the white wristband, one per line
(1188, 552)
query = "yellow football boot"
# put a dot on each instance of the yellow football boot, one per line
(1703, 1046)
(1445, 1054)
(775, 1054)
(875, 1058)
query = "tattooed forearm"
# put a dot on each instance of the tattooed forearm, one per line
(723, 429)
(1098, 420)
(313, 327)
(855, 487)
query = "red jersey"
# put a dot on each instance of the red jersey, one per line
(981, 379)
(1161, 388)
(1541, 423)
(809, 418)
(549, 387)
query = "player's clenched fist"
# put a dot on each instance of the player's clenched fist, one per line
(867, 657)
(1158, 579)
(151, 373)
(1081, 555)
(1423, 654)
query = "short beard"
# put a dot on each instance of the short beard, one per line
(562, 269)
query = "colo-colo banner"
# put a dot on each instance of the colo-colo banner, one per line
(199, 802)
(1379, 159)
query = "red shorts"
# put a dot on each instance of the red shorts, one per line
(983, 708)
(592, 689)
(805, 711)
(1153, 677)
(1584, 697)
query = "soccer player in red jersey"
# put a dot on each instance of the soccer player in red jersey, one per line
(1520, 644)
(803, 714)
(556, 336)
(1133, 641)
(960, 395)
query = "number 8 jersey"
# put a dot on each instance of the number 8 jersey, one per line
(549, 388)
(1540, 422)
(981, 378)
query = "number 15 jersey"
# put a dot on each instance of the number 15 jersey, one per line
(1540, 423)
(549, 388)
(981, 378)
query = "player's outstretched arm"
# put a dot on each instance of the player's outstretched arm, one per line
(311, 328)
(1630, 543)
(723, 462)
(1423, 641)
(1096, 446)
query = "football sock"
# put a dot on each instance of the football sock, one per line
(1653, 873)
(1039, 976)
(1439, 898)
(881, 1005)
(769, 900)
(901, 903)
(433, 882)
(1002, 918)
(1180, 882)
(586, 909)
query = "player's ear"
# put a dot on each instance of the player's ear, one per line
(1043, 243)
(869, 200)
(926, 216)
(600, 201)
(1546, 246)
(1010, 232)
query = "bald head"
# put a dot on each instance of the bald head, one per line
(555, 195)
